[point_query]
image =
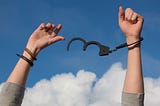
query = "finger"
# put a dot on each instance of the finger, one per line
(121, 14)
(51, 28)
(48, 27)
(128, 13)
(57, 29)
(137, 18)
(56, 39)
(134, 16)
(140, 18)
(41, 26)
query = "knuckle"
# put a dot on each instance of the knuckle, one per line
(128, 9)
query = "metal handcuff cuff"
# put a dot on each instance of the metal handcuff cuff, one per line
(103, 50)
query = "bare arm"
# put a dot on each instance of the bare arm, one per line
(40, 38)
(131, 25)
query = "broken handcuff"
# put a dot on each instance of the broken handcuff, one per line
(104, 50)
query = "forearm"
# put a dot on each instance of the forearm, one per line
(20, 72)
(134, 76)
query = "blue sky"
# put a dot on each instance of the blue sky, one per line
(89, 19)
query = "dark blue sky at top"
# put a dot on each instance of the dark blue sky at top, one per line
(89, 19)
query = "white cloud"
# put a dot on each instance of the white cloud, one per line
(152, 88)
(85, 89)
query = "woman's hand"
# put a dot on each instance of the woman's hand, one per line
(131, 24)
(43, 36)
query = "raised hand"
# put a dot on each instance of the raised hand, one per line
(130, 23)
(43, 36)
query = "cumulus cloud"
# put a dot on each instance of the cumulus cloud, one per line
(85, 89)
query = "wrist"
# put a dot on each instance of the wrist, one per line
(130, 40)
(27, 56)
(33, 49)
(134, 42)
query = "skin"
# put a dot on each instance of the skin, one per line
(131, 25)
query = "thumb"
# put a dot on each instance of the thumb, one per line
(121, 14)
(57, 38)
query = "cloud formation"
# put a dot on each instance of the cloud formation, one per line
(85, 89)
